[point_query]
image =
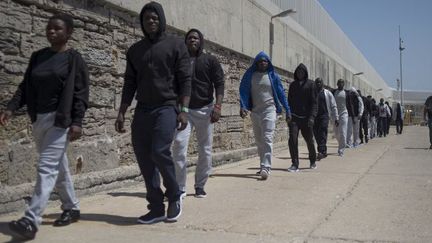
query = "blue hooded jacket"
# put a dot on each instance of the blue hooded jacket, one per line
(278, 90)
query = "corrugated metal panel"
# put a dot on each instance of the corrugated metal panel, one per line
(313, 17)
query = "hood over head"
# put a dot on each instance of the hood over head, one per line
(201, 36)
(158, 9)
(259, 56)
(301, 66)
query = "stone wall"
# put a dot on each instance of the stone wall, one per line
(103, 32)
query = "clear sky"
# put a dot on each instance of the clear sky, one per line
(372, 25)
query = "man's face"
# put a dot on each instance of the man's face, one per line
(319, 84)
(262, 65)
(301, 75)
(340, 84)
(193, 42)
(150, 22)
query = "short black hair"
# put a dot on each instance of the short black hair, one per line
(67, 19)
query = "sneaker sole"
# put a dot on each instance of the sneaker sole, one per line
(155, 220)
(264, 175)
(200, 196)
(293, 170)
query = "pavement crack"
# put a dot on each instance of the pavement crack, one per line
(348, 194)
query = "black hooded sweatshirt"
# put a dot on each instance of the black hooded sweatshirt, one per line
(158, 69)
(302, 96)
(207, 75)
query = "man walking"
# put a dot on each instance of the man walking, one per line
(389, 117)
(304, 108)
(400, 113)
(384, 113)
(427, 115)
(355, 115)
(364, 121)
(341, 97)
(158, 71)
(207, 78)
(261, 92)
(326, 109)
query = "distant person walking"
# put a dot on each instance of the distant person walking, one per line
(384, 113)
(427, 115)
(355, 114)
(400, 113)
(327, 110)
(341, 96)
(389, 117)
(262, 93)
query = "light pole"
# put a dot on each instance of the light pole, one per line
(281, 14)
(400, 52)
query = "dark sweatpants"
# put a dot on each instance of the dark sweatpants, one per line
(382, 126)
(152, 135)
(307, 132)
(399, 125)
(320, 133)
(364, 128)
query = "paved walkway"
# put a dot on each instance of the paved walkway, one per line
(381, 192)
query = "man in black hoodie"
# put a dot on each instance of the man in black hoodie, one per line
(158, 71)
(364, 121)
(304, 108)
(207, 77)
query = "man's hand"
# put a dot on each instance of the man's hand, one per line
(336, 123)
(74, 133)
(182, 121)
(288, 119)
(4, 117)
(119, 123)
(216, 114)
(243, 113)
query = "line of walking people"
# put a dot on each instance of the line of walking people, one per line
(179, 89)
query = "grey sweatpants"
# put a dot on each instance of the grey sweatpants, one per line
(200, 120)
(264, 123)
(53, 169)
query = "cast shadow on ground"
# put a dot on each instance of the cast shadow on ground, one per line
(127, 194)
(244, 176)
(110, 219)
(417, 148)
(4, 229)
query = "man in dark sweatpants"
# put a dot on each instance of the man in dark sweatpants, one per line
(327, 110)
(364, 121)
(303, 101)
(158, 71)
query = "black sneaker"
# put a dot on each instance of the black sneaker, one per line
(200, 193)
(152, 217)
(174, 210)
(313, 166)
(68, 217)
(24, 228)
(320, 156)
(293, 168)
(430, 147)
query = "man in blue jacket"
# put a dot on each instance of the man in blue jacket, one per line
(262, 93)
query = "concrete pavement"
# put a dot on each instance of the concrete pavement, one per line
(381, 192)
